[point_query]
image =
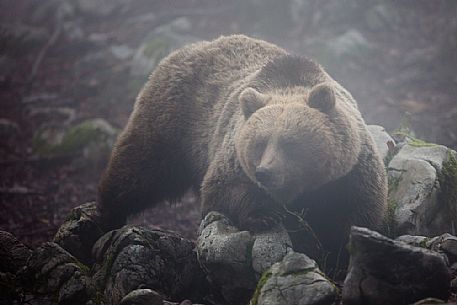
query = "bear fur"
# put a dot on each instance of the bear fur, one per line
(257, 132)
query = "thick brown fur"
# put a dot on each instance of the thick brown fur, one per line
(213, 115)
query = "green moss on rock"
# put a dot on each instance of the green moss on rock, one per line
(157, 47)
(263, 279)
(448, 184)
(390, 222)
(54, 142)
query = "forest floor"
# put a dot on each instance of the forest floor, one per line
(63, 70)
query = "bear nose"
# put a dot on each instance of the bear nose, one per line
(263, 175)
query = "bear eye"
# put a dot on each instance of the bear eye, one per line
(259, 148)
(289, 146)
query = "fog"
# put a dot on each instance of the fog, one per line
(65, 62)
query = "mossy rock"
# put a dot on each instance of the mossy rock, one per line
(51, 141)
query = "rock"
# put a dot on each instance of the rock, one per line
(412, 240)
(134, 258)
(432, 301)
(80, 231)
(446, 244)
(102, 8)
(384, 271)
(8, 128)
(423, 189)
(14, 254)
(224, 252)
(294, 280)
(381, 138)
(234, 260)
(67, 114)
(382, 16)
(142, 297)
(53, 271)
(7, 67)
(122, 52)
(351, 45)
(18, 37)
(13, 257)
(52, 10)
(158, 44)
(91, 139)
(43, 97)
(269, 247)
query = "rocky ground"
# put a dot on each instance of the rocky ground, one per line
(65, 63)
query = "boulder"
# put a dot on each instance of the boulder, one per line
(295, 280)
(134, 258)
(54, 272)
(159, 43)
(142, 297)
(103, 8)
(233, 259)
(92, 140)
(423, 189)
(14, 253)
(13, 257)
(80, 231)
(445, 244)
(383, 271)
(382, 140)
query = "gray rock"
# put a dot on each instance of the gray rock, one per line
(381, 138)
(53, 271)
(446, 244)
(142, 297)
(382, 16)
(17, 37)
(13, 257)
(269, 247)
(103, 8)
(134, 258)
(233, 259)
(413, 240)
(158, 44)
(416, 176)
(7, 67)
(384, 271)
(8, 128)
(36, 98)
(224, 252)
(46, 113)
(80, 231)
(432, 301)
(294, 280)
(92, 140)
(13, 253)
(122, 52)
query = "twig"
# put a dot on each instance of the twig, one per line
(307, 227)
(51, 41)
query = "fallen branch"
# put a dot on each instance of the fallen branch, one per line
(51, 41)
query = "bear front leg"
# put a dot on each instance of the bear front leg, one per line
(146, 167)
(246, 205)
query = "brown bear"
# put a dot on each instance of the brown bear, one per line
(257, 132)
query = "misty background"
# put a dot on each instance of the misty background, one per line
(70, 71)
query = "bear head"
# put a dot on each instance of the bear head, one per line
(296, 141)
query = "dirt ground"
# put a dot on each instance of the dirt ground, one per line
(57, 68)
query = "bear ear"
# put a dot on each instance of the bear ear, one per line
(251, 100)
(322, 97)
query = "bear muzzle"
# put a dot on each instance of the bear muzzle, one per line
(268, 178)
